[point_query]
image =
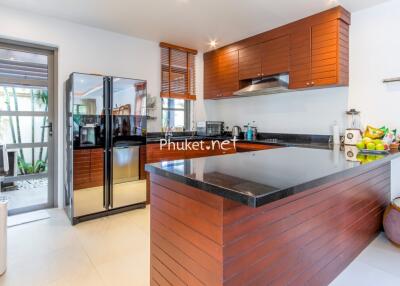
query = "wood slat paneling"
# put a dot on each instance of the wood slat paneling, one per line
(300, 58)
(326, 32)
(228, 75)
(88, 168)
(275, 56)
(305, 239)
(250, 62)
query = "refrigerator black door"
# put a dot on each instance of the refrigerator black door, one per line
(128, 128)
(88, 140)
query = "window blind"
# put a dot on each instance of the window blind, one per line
(178, 73)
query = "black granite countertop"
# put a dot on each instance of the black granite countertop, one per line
(260, 177)
(278, 139)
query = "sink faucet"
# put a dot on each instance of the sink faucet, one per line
(168, 133)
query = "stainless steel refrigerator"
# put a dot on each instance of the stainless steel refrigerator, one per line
(104, 131)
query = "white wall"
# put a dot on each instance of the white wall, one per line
(303, 112)
(375, 55)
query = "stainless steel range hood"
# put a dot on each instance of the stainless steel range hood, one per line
(266, 85)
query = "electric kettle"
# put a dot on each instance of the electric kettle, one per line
(236, 131)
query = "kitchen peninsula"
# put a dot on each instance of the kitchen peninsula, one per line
(284, 216)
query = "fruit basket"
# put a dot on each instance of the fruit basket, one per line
(373, 146)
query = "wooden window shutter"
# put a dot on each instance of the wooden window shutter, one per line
(178, 73)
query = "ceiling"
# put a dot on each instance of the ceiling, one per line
(190, 23)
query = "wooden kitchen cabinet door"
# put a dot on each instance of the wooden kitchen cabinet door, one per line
(211, 89)
(97, 167)
(300, 58)
(275, 56)
(319, 55)
(81, 171)
(227, 80)
(330, 45)
(250, 62)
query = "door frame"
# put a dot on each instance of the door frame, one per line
(52, 85)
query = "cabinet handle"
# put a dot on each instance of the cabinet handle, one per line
(307, 83)
(312, 83)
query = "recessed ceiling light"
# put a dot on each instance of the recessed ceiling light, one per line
(213, 43)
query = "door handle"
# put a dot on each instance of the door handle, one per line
(50, 126)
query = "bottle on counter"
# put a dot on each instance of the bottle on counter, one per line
(245, 131)
(254, 131)
(249, 133)
(335, 133)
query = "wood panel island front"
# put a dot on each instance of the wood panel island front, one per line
(286, 216)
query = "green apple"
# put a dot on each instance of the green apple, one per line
(361, 157)
(377, 141)
(371, 146)
(380, 147)
(360, 145)
(367, 140)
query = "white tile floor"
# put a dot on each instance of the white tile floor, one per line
(108, 251)
(115, 251)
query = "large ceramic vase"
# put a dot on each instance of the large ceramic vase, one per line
(391, 221)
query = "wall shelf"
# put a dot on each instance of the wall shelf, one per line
(394, 79)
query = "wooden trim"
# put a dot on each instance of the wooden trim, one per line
(186, 96)
(187, 83)
(175, 47)
(169, 71)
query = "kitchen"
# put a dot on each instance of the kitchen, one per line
(305, 116)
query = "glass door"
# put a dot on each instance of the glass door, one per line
(26, 126)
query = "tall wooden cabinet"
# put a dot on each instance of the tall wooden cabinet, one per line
(314, 51)
(221, 75)
(319, 55)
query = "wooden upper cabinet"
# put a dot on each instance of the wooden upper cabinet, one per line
(275, 56)
(300, 58)
(314, 50)
(211, 89)
(250, 62)
(228, 81)
(319, 55)
(324, 54)
(265, 59)
(330, 53)
(221, 75)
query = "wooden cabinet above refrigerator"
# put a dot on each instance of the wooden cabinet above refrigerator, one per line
(314, 51)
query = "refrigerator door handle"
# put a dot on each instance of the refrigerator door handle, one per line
(111, 188)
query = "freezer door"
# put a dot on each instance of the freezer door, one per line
(126, 187)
